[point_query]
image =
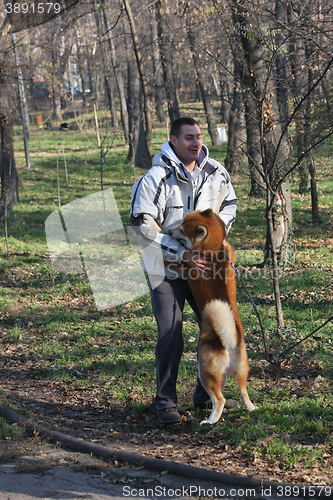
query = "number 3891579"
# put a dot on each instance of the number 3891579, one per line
(33, 8)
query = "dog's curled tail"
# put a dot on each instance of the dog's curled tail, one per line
(218, 320)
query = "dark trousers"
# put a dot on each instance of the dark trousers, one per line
(168, 301)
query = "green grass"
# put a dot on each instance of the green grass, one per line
(9, 431)
(50, 317)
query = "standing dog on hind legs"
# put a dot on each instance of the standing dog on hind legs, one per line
(222, 348)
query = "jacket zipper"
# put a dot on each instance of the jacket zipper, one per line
(196, 199)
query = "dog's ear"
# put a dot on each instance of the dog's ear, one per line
(200, 233)
(207, 213)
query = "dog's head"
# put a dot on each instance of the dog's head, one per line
(201, 230)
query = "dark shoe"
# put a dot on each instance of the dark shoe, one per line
(207, 405)
(169, 415)
(204, 405)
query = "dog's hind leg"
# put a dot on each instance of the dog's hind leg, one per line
(218, 402)
(212, 373)
(217, 408)
(240, 375)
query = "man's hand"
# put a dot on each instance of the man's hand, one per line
(196, 259)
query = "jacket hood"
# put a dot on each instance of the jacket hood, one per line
(169, 152)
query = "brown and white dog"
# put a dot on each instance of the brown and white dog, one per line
(222, 348)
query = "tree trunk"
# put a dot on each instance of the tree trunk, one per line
(225, 100)
(158, 76)
(137, 152)
(274, 259)
(144, 84)
(201, 79)
(9, 178)
(55, 99)
(298, 87)
(118, 77)
(22, 93)
(314, 191)
(252, 136)
(134, 113)
(166, 52)
(243, 76)
(281, 70)
(23, 105)
(280, 215)
(327, 98)
(307, 143)
(235, 132)
(81, 66)
(108, 88)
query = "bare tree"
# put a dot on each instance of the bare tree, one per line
(158, 75)
(202, 80)
(236, 136)
(137, 151)
(166, 51)
(8, 173)
(105, 62)
(23, 103)
(9, 178)
(118, 76)
(55, 92)
(144, 83)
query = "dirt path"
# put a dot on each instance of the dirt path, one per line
(120, 427)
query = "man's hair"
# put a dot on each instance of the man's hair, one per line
(179, 122)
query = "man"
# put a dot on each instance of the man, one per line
(182, 178)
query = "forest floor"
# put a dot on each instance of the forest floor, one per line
(57, 406)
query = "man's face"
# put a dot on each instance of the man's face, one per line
(188, 145)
